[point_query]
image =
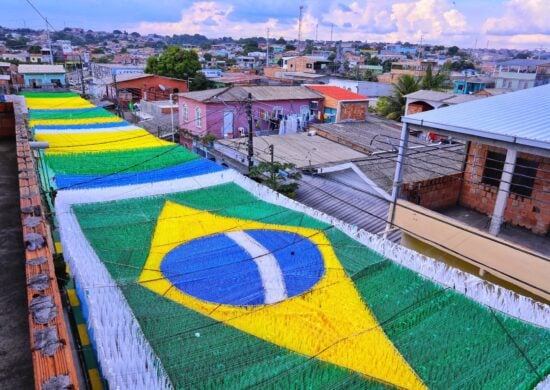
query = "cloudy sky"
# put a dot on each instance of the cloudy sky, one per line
(522, 24)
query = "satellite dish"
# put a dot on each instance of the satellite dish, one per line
(162, 87)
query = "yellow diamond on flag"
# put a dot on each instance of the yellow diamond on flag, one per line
(283, 284)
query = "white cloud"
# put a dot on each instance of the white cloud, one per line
(436, 21)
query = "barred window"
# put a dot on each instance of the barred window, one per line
(523, 178)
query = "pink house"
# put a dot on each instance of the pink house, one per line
(222, 112)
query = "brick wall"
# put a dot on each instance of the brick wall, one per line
(531, 212)
(417, 107)
(434, 194)
(353, 111)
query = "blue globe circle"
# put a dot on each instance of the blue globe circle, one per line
(221, 269)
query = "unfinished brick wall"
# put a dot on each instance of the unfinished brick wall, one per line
(531, 212)
(434, 194)
(353, 111)
(417, 107)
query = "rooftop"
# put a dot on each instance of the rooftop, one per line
(259, 93)
(337, 92)
(300, 149)
(520, 117)
(31, 69)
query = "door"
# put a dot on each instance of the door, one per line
(228, 117)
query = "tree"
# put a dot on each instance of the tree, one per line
(35, 49)
(207, 57)
(393, 107)
(433, 82)
(280, 41)
(199, 82)
(280, 177)
(452, 51)
(174, 62)
(290, 47)
(117, 32)
(135, 34)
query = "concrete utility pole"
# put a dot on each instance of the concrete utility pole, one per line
(267, 51)
(331, 31)
(272, 176)
(250, 128)
(82, 76)
(300, 27)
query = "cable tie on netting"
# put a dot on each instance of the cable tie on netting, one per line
(31, 222)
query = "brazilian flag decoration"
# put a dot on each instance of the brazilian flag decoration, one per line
(225, 289)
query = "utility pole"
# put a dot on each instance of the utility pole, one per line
(118, 108)
(272, 170)
(82, 76)
(331, 30)
(49, 40)
(300, 27)
(250, 128)
(267, 51)
(317, 32)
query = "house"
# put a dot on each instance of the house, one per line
(306, 64)
(221, 112)
(211, 73)
(520, 74)
(414, 68)
(425, 100)
(472, 85)
(38, 76)
(342, 105)
(500, 220)
(135, 87)
(397, 48)
(373, 90)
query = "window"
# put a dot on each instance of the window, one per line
(185, 112)
(309, 66)
(198, 117)
(523, 178)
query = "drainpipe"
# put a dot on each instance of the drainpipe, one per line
(503, 191)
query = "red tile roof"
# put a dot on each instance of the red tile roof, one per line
(337, 92)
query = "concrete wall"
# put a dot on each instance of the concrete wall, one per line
(530, 212)
(42, 79)
(501, 258)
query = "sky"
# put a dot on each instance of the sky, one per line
(518, 24)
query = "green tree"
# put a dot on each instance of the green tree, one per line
(393, 107)
(174, 62)
(452, 51)
(280, 41)
(290, 47)
(199, 82)
(437, 82)
(207, 57)
(35, 49)
(280, 177)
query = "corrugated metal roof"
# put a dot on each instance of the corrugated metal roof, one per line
(29, 69)
(430, 95)
(300, 149)
(259, 93)
(333, 195)
(521, 117)
(337, 92)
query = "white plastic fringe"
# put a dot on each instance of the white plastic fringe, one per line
(61, 131)
(484, 292)
(544, 385)
(126, 359)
